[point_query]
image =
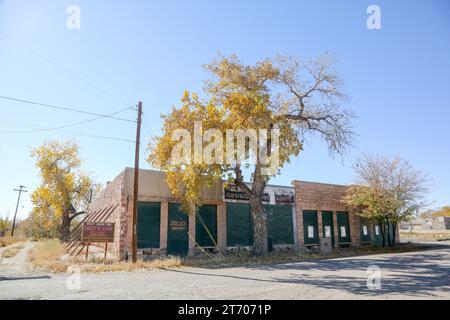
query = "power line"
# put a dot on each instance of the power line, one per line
(72, 124)
(71, 109)
(30, 126)
(20, 44)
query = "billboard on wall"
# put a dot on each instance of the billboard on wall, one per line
(271, 195)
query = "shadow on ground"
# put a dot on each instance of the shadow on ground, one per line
(414, 274)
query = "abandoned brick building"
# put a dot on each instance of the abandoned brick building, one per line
(299, 216)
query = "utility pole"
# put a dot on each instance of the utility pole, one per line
(136, 180)
(20, 190)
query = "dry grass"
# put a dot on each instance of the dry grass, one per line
(7, 241)
(12, 251)
(47, 254)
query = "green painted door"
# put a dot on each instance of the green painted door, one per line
(343, 227)
(378, 238)
(328, 225)
(280, 224)
(310, 227)
(148, 225)
(206, 226)
(177, 232)
(239, 225)
(365, 231)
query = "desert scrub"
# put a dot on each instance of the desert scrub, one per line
(12, 251)
(114, 266)
(47, 254)
(7, 241)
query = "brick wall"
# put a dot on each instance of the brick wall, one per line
(323, 197)
(109, 197)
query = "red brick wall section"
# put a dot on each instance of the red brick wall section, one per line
(323, 197)
(111, 196)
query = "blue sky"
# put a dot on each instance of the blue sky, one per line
(397, 77)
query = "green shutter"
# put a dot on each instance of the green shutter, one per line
(148, 225)
(310, 224)
(177, 232)
(343, 227)
(239, 225)
(280, 224)
(207, 214)
(327, 221)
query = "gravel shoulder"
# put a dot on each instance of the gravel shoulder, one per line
(412, 275)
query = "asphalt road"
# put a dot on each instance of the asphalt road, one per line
(415, 275)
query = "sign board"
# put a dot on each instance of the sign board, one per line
(97, 232)
(343, 232)
(178, 225)
(233, 192)
(327, 231)
(310, 232)
(284, 196)
(365, 230)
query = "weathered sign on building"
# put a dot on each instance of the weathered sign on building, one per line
(233, 192)
(97, 232)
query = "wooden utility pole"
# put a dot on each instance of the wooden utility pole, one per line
(136, 181)
(20, 190)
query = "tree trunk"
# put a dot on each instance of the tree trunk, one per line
(394, 233)
(388, 227)
(260, 236)
(64, 230)
(382, 230)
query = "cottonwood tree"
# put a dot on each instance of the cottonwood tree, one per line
(64, 186)
(388, 191)
(289, 99)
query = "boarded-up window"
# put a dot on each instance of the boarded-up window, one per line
(280, 224)
(206, 226)
(148, 225)
(239, 225)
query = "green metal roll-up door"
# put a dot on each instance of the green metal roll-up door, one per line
(310, 227)
(343, 227)
(177, 232)
(365, 231)
(280, 224)
(148, 225)
(328, 225)
(204, 231)
(239, 225)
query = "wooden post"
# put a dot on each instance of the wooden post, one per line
(136, 182)
(106, 250)
(87, 251)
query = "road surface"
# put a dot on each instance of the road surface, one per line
(414, 275)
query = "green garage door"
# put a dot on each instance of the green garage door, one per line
(239, 225)
(280, 224)
(177, 232)
(365, 234)
(343, 227)
(148, 225)
(310, 227)
(206, 226)
(328, 225)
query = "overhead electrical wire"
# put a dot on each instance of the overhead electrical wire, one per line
(66, 108)
(30, 126)
(73, 74)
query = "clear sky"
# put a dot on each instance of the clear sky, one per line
(125, 51)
